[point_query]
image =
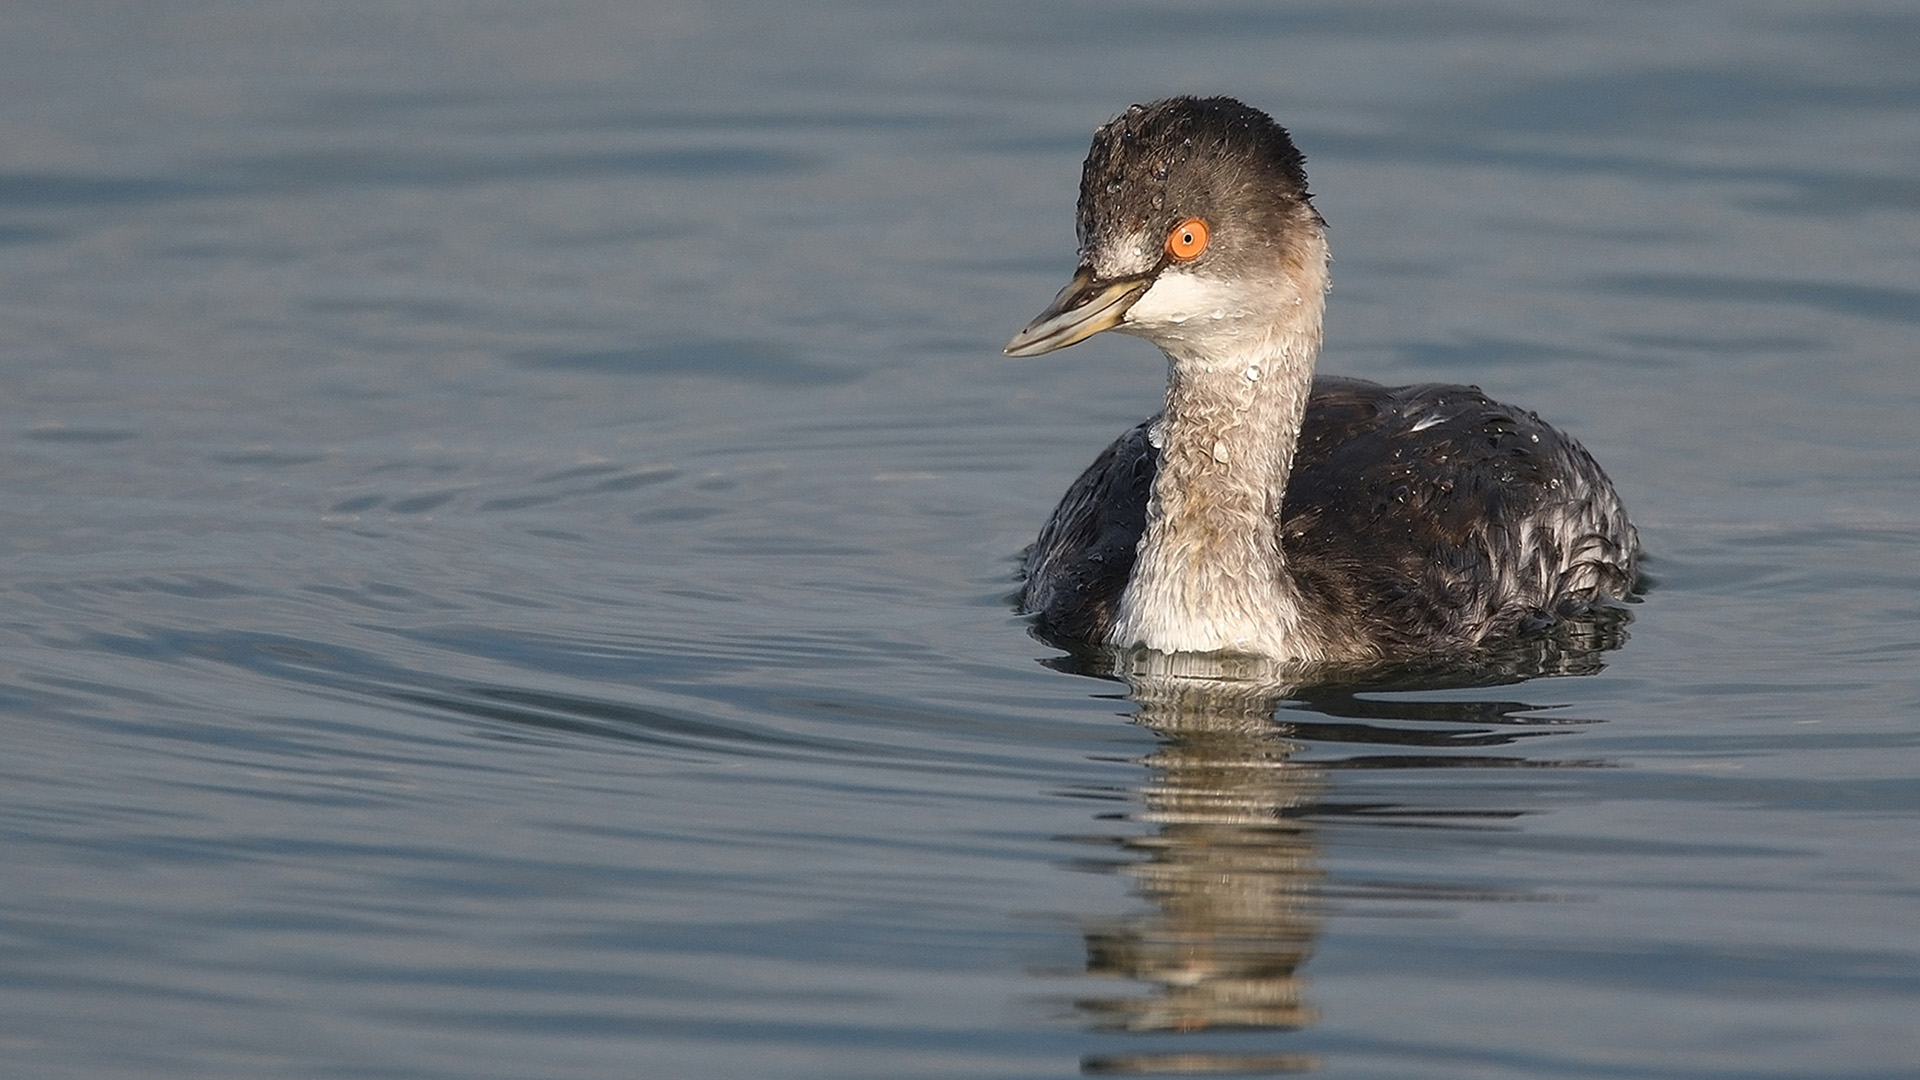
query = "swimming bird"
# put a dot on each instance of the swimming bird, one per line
(1264, 511)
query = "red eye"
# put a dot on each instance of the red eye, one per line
(1187, 240)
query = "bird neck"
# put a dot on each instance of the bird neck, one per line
(1210, 574)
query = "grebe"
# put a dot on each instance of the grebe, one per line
(1265, 511)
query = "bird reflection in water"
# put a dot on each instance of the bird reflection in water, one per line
(1230, 866)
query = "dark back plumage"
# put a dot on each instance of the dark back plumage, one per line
(1428, 518)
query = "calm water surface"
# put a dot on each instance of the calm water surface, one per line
(511, 510)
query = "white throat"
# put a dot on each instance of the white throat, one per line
(1210, 575)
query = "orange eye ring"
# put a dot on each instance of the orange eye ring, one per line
(1187, 240)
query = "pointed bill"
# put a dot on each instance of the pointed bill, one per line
(1084, 308)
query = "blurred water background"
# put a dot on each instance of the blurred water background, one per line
(510, 510)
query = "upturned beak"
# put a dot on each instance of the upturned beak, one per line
(1084, 308)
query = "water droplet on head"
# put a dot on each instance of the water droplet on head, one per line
(1220, 452)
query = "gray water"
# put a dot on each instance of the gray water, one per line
(510, 511)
